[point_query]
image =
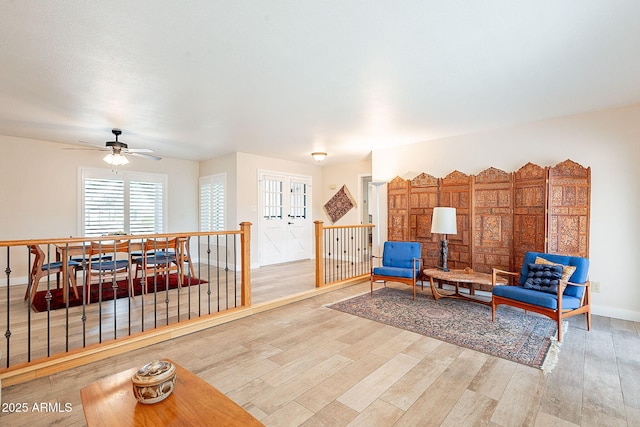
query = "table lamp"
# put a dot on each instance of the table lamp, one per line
(444, 222)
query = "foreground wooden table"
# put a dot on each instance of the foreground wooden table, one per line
(110, 402)
(456, 277)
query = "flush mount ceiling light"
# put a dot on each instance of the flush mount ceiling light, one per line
(318, 156)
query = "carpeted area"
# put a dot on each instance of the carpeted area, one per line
(524, 338)
(40, 301)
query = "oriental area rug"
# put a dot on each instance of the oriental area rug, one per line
(40, 300)
(528, 339)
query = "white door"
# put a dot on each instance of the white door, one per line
(285, 228)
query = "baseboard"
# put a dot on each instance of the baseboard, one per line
(214, 263)
(18, 280)
(616, 313)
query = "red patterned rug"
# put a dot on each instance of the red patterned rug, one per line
(40, 301)
(524, 338)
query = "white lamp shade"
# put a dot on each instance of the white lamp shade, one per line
(116, 159)
(444, 221)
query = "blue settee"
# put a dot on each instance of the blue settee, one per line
(556, 292)
(400, 263)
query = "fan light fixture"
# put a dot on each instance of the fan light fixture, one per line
(318, 156)
(115, 159)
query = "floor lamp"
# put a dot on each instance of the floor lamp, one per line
(444, 222)
(378, 184)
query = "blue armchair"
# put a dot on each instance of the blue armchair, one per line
(556, 286)
(400, 263)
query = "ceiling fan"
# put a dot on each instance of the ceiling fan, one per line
(118, 149)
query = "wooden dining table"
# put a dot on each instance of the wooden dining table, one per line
(81, 249)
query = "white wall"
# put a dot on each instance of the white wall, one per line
(227, 165)
(345, 174)
(607, 141)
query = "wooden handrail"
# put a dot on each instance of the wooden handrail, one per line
(329, 227)
(62, 240)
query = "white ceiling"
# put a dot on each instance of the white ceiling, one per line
(199, 79)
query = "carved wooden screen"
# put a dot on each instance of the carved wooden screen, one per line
(492, 220)
(500, 215)
(455, 192)
(398, 209)
(423, 191)
(569, 209)
(529, 219)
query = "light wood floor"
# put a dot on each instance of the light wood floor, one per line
(305, 364)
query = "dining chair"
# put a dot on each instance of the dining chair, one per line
(158, 258)
(108, 265)
(184, 255)
(40, 269)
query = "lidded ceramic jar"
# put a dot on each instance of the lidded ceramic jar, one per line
(154, 381)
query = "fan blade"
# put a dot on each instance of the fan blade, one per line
(145, 156)
(84, 145)
(91, 144)
(138, 150)
(87, 148)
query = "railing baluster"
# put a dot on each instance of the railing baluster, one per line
(7, 333)
(48, 299)
(226, 272)
(66, 286)
(85, 294)
(218, 273)
(235, 271)
(28, 295)
(209, 274)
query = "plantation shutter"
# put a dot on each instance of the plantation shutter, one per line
(103, 206)
(145, 207)
(205, 207)
(212, 202)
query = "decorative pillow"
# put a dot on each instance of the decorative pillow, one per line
(567, 270)
(544, 277)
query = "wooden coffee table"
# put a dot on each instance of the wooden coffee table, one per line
(456, 277)
(193, 402)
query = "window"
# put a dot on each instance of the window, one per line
(213, 202)
(132, 203)
(272, 199)
(298, 206)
